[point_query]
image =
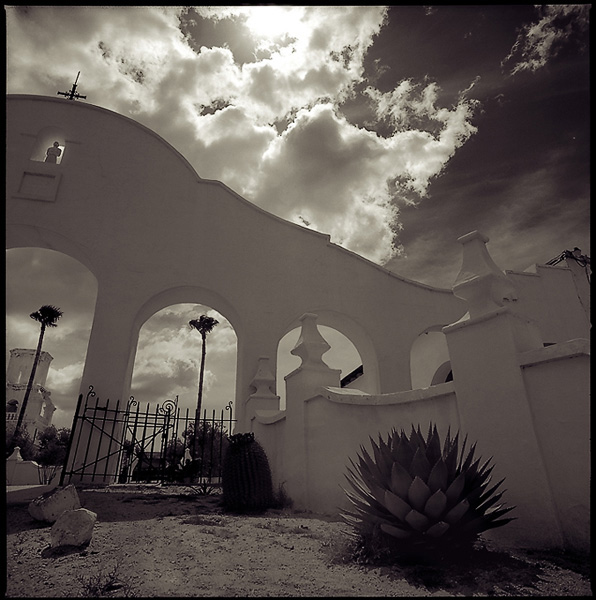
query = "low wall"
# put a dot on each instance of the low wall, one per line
(336, 423)
(26, 472)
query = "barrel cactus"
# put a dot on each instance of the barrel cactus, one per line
(413, 500)
(246, 476)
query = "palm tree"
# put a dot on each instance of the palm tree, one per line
(203, 325)
(46, 316)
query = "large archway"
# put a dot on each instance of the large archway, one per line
(168, 357)
(38, 276)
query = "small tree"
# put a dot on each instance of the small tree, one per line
(23, 440)
(51, 454)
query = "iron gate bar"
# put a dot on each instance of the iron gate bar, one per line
(153, 461)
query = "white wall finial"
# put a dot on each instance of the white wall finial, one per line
(480, 282)
(311, 345)
(263, 381)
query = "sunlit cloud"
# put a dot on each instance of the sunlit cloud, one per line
(539, 42)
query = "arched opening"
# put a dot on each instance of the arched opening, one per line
(168, 358)
(49, 146)
(342, 355)
(38, 276)
(429, 359)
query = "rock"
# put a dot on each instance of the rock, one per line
(73, 528)
(50, 506)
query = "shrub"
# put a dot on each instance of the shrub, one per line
(412, 500)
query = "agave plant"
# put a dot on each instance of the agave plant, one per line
(413, 499)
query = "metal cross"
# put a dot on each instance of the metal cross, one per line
(72, 95)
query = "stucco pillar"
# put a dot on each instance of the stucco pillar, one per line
(484, 348)
(302, 384)
(108, 368)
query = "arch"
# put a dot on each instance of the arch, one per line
(356, 336)
(190, 295)
(429, 358)
(46, 139)
(20, 235)
(342, 355)
(179, 357)
(74, 290)
(442, 374)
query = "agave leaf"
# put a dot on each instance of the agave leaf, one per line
(433, 446)
(437, 479)
(451, 458)
(382, 466)
(457, 512)
(435, 505)
(481, 478)
(471, 472)
(480, 524)
(469, 458)
(461, 456)
(447, 444)
(400, 480)
(482, 508)
(437, 530)
(417, 438)
(362, 494)
(371, 467)
(403, 452)
(498, 511)
(396, 532)
(378, 492)
(396, 506)
(417, 520)
(418, 494)
(456, 488)
(479, 496)
(420, 466)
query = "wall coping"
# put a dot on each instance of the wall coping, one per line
(569, 349)
(360, 398)
(268, 417)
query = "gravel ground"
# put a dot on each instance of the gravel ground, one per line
(149, 543)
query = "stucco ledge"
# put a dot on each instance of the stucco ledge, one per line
(569, 349)
(268, 417)
(357, 397)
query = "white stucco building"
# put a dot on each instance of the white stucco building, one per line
(502, 355)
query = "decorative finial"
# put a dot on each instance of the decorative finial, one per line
(72, 95)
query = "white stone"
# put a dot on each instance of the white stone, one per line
(50, 506)
(73, 528)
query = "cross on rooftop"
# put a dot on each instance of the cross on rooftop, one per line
(72, 95)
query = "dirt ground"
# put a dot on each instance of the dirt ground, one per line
(153, 543)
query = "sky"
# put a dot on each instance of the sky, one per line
(395, 130)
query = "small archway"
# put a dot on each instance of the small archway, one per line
(342, 355)
(429, 359)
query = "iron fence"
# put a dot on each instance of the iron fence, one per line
(131, 444)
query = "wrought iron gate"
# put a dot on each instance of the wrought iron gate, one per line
(131, 445)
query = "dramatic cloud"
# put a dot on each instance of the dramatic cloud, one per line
(537, 43)
(270, 128)
(393, 129)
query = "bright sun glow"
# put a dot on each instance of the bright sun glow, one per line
(271, 22)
